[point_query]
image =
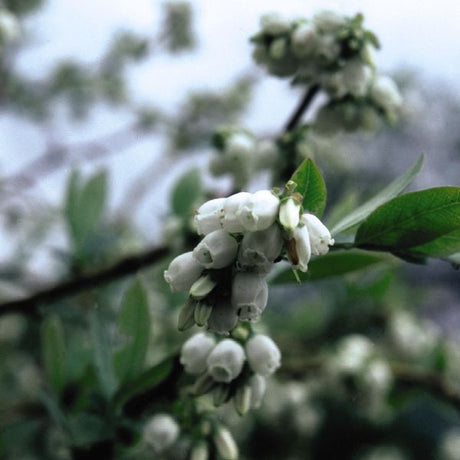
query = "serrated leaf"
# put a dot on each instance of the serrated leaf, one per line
(333, 264)
(186, 192)
(54, 352)
(146, 381)
(310, 184)
(390, 191)
(412, 220)
(134, 323)
(102, 355)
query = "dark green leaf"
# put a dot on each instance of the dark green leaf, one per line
(54, 352)
(134, 323)
(443, 246)
(333, 264)
(389, 192)
(87, 429)
(310, 184)
(412, 220)
(102, 355)
(146, 381)
(186, 192)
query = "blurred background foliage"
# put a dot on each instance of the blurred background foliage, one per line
(371, 364)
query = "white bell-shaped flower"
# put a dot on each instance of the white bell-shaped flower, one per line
(160, 432)
(320, 237)
(299, 249)
(231, 223)
(249, 295)
(209, 215)
(263, 354)
(225, 361)
(258, 388)
(259, 212)
(240, 145)
(357, 77)
(303, 40)
(195, 352)
(182, 272)
(385, 93)
(223, 317)
(225, 444)
(289, 215)
(216, 250)
(258, 250)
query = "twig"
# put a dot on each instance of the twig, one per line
(127, 266)
(302, 108)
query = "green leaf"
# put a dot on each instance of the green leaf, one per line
(412, 220)
(72, 202)
(186, 193)
(146, 381)
(134, 323)
(54, 352)
(310, 184)
(390, 191)
(87, 429)
(333, 264)
(102, 355)
(443, 246)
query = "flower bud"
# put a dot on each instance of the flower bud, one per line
(225, 444)
(263, 354)
(223, 317)
(195, 352)
(208, 216)
(258, 250)
(231, 222)
(160, 432)
(203, 384)
(182, 272)
(320, 237)
(278, 48)
(202, 313)
(202, 287)
(186, 316)
(259, 212)
(200, 451)
(258, 388)
(299, 249)
(220, 394)
(216, 250)
(226, 361)
(242, 399)
(249, 295)
(289, 214)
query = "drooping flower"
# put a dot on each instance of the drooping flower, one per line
(299, 249)
(216, 250)
(209, 215)
(195, 352)
(249, 295)
(231, 223)
(320, 237)
(160, 432)
(259, 212)
(225, 361)
(289, 214)
(223, 317)
(263, 354)
(182, 272)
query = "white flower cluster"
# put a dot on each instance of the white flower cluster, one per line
(221, 367)
(243, 235)
(334, 52)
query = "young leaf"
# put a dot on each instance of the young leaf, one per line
(102, 355)
(54, 352)
(134, 323)
(332, 264)
(390, 191)
(412, 220)
(186, 192)
(310, 184)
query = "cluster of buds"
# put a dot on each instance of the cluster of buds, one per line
(243, 236)
(239, 154)
(231, 369)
